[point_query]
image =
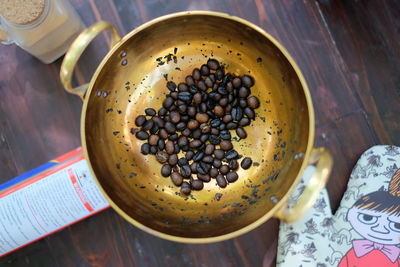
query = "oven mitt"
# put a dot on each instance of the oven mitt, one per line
(365, 230)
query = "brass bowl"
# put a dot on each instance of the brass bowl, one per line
(280, 140)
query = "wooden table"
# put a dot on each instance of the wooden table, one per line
(349, 52)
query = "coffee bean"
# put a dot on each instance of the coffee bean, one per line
(153, 139)
(203, 108)
(198, 156)
(182, 162)
(169, 147)
(154, 129)
(150, 111)
(195, 143)
(193, 167)
(219, 74)
(237, 113)
(183, 87)
(236, 82)
(203, 168)
(215, 123)
(253, 102)
(219, 111)
(202, 85)
(232, 154)
(193, 89)
(233, 164)
(193, 124)
(209, 149)
(189, 80)
(186, 132)
(173, 159)
(191, 111)
(185, 148)
(185, 188)
(231, 177)
(181, 126)
(158, 121)
(145, 149)
(231, 125)
(185, 97)
(234, 102)
(246, 163)
(221, 181)
(242, 103)
(176, 178)
(229, 87)
(204, 177)
(208, 159)
(217, 163)
(244, 122)
(228, 108)
(222, 126)
(163, 134)
(196, 74)
(168, 102)
(244, 92)
(140, 120)
(153, 150)
(147, 125)
(241, 133)
(183, 141)
(213, 64)
(247, 81)
(174, 95)
(141, 135)
(197, 98)
(211, 104)
(204, 138)
(176, 148)
(223, 101)
(249, 113)
(204, 70)
(171, 86)
(162, 157)
(161, 144)
(214, 139)
(219, 153)
(201, 117)
(226, 145)
(166, 170)
(227, 118)
(175, 117)
(178, 102)
(162, 112)
(214, 172)
(173, 137)
(208, 82)
(170, 128)
(225, 135)
(214, 131)
(197, 184)
(185, 171)
(224, 169)
(205, 128)
(189, 155)
(226, 79)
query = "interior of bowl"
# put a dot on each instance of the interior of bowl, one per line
(134, 78)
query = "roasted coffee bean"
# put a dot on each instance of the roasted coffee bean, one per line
(166, 170)
(173, 159)
(176, 178)
(182, 162)
(185, 148)
(208, 159)
(233, 164)
(226, 145)
(204, 70)
(231, 125)
(228, 108)
(154, 129)
(223, 101)
(183, 87)
(189, 80)
(175, 117)
(202, 85)
(212, 77)
(140, 120)
(241, 133)
(227, 118)
(168, 102)
(153, 150)
(193, 89)
(162, 156)
(174, 95)
(219, 153)
(197, 184)
(246, 163)
(232, 177)
(219, 111)
(215, 123)
(181, 126)
(176, 148)
(142, 135)
(214, 131)
(163, 133)
(213, 64)
(185, 188)
(191, 111)
(193, 167)
(222, 126)
(197, 98)
(244, 122)
(158, 121)
(198, 156)
(204, 138)
(186, 132)
(195, 143)
(182, 109)
(147, 125)
(219, 74)
(173, 137)
(196, 74)
(169, 147)
(226, 79)
(225, 135)
(234, 102)
(209, 83)
(229, 87)
(185, 118)
(237, 113)
(153, 139)
(162, 112)
(203, 108)
(178, 102)
(214, 139)
(224, 169)
(211, 104)
(205, 128)
(183, 141)
(232, 154)
(202, 167)
(170, 127)
(171, 86)
(221, 181)
(193, 124)
(189, 155)
(201, 117)
(253, 102)
(247, 81)
(161, 144)
(221, 90)
(244, 92)
(150, 111)
(209, 150)
(249, 113)
(214, 172)
(145, 149)
(217, 163)
(185, 171)
(204, 177)
(242, 103)
(185, 97)
(237, 82)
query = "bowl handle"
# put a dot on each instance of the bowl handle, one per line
(75, 51)
(323, 161)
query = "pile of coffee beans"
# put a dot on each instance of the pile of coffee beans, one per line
(196, 120)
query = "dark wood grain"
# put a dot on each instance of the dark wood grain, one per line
(349, 52)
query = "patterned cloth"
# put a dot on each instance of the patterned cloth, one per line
(323, 239)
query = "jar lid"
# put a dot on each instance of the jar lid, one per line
(21, 11)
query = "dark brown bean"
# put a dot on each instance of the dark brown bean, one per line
(231, 125)
(204, 177)
(158, 121)
(176, 178)
(183, 141)
(223, 101)
(170, 127)
(166, 170)
(205, 128)
(189, 155)
(169, 147)
(162, 112)
(204, 138)
(213, 64)
(237, 113)
(233, 164)
(173, 159)
(175, 117)
(209, 149)
(140, 120)
(204, 70)
(219, 153)
(203, 167)
(225, 135)
(193, 124)
(182, 162)
(208, 82)
(176, 148)
(208, 159)
(232, 154)
(153, 139)
(145, 149)
(214, 172)
(241, 133)
(197, 184)
(221, 181)
(185, 171)
(202, 85)
(229, 87)
(228, 108)
(201, 117)
(253, 102)
(142, 135)
(182, 109)
(224, 169)
(237, 82)
(174, 95)
(214, 131)
(197, 98)
(244, 122)
(217, 163)
(246, 163)
(244, 92)
(227, 118)
(196, 133)
(163, 134)
(195, 143)
(171, 86)
(219, 111)
(214, 139)
(226, 145)
(191, 111)
(243, 103)
(247, 81)
(153, 150)
(186, 132)
(162, 157)
(168, 102)
(219, 74)
(185, 188)
(193, 167)
(161, 144)
(183, 87)
(198, 156)
(203, 108)
(181, 126)
(249, 113)
(147, 125)
(196, 74)
(150, 111)
(189, 80)
(231, 177)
